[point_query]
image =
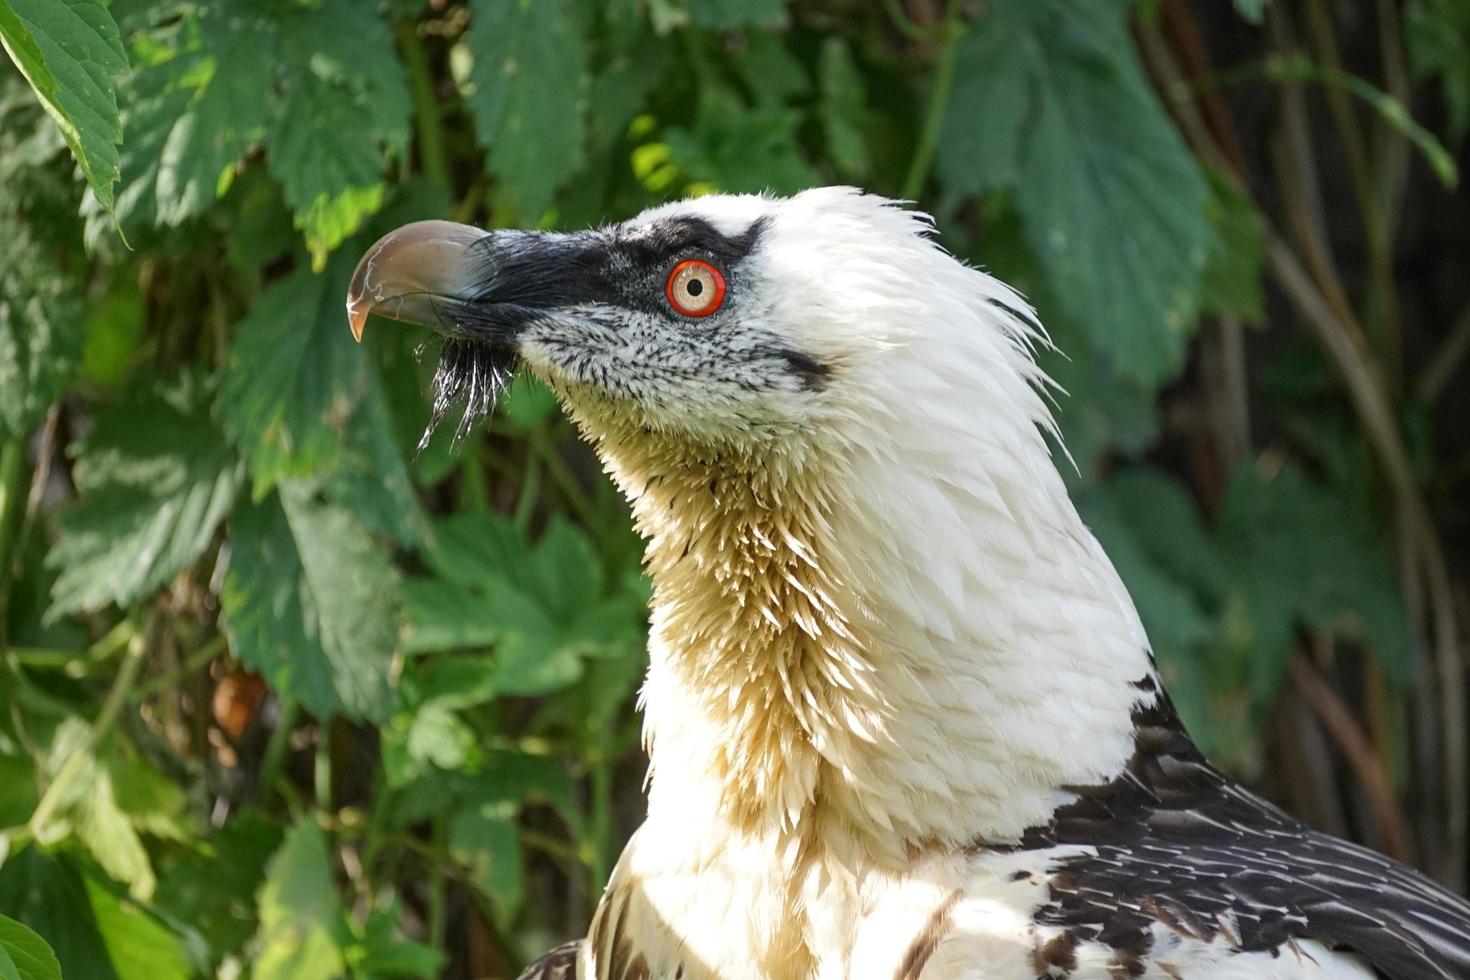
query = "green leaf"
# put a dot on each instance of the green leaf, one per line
(1049, 100)
(384, 953)
(1308, 554)
(24, 955)
(211, 883)
(529, 95)
(844, 108)
(40, 333)
(486, 840)
(331, 185)
(732, 147)
(371, 480)
(771, 70)
(48, 893)
(729, 14)
(1232, 276)
(69, 50)
(156, 478)
(229, 75)
(303, 400)
(139, 946)
(92, 814)
(326, 103)
(529, 402)
(443, 615)
(566, 573)
(1251, 10)
(475, 548)
(301, 924)
(344, 106)
(313, 605)
(1437, 36)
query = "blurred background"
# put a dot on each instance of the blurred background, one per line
(284, 696)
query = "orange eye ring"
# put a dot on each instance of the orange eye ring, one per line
(695, 288)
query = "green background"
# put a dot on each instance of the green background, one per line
(283, 697)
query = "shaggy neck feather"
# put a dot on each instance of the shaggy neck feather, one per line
(873, 656)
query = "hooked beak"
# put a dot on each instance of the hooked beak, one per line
(420, 273)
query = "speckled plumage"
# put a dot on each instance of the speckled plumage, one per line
(902, 716)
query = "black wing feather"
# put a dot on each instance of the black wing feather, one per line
(559, 964)
(1179, 843)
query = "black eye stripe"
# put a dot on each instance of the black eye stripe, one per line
(667, 242)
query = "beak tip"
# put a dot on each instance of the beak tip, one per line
(356, 319)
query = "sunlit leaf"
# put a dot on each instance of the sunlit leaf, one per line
(139, 946)
(24, 955)
(301, 924)
(69, 50)
(156, 479)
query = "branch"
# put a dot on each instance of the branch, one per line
(1366, 764)
(1345, 349)
(1445, 360)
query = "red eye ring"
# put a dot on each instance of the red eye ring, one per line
(695, 288)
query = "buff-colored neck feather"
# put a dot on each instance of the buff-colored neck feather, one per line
(829, 672)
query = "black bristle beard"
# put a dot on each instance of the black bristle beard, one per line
(468, 371)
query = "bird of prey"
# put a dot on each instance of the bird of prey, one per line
(902, 716)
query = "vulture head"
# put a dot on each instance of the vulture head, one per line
(746, 327)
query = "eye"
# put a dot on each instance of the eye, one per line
(695, 288)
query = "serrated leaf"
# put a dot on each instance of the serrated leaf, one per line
(41, 333)
(69, 50)
(326, 103)
(301, 922)
(156, 478)
(1049, 100)
(476, 548)
(734, 148)
(229, 74)
(342, 109)
(313, 605)
(529, 96)
(24, 955)
(566, 570)
(303, 400)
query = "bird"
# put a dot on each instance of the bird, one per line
(902, 717)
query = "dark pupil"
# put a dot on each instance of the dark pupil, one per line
(695, 287)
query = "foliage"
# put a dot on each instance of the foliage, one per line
(284, 695)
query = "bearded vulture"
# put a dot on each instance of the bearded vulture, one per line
(902, 716)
